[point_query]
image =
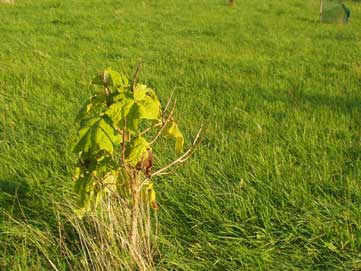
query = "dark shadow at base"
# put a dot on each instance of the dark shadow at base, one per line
(13, 187)
(13, 197)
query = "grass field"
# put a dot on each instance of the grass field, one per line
(276, 184)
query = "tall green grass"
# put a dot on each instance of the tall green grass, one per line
(276, 183)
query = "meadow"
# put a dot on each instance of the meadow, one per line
(276, 184)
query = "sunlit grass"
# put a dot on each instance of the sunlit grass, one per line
(276, 184)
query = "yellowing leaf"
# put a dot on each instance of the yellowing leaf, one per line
(96, 134)
(152, 197)
(140, 92)
(173, 130)
(148, 103)
(148, 194)
(116, 79)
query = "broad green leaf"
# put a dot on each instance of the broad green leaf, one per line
(143, 105)
(133, 118)
(88, 194)
(149, 105)
(84, 188)
(136, 150)
(112, 79)
(116, 79)
(172, 130)
(97, 138)
(118, 110)
(140, 92)
(94, 103)
(96, 134)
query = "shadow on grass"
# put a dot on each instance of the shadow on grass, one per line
(308, 20)
(343, 103)
(13, 187)
(13, 198)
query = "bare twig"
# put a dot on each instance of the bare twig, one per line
(105, 84)
(122, 132)
(167, 173)
(136, 74)
(106, 89)
(168, 103)
(123, 142)
(164, 124)
(196, 142)
(150, 128)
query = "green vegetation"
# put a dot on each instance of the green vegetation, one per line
(119, 125)
(275, 184)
